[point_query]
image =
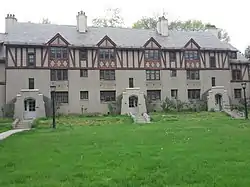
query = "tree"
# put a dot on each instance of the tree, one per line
(45, 21)
(247, 52)
(189, 25)
(112, 18)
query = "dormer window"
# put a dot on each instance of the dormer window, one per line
(232, 55)
(191, 56)
(152, 55)
(58, 53)
(106, 54)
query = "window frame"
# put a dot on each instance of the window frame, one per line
(174, 92)
(84, 95)
(173, 73)
(30, 63)
(237, 93)
(155, 93)
(59, 53)
(84, 73)
(111, 94)
(85, 56)
(190, 55)
(236, 74)
(31, 83)
(152, 54)
(153, 75)
(172, 56)
(106, 54)
(213, 81)
(193, 74)
(63, 95)
(107, 75)
(212, 64)
(195, 93)
(54, 75)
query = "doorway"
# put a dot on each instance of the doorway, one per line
(218, 101)
(133, 103)
(29, 108)
(131, 82)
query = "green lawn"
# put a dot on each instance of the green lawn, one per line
(5, 124)
(184, 150)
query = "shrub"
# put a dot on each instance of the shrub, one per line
(168, 104)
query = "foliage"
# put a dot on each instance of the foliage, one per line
(115, 107)
(167, 105)
(9, 109)
(112, 18)
(145, 23)
(46, 21)
(149, 104)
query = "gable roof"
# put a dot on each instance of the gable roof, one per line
(37, 34)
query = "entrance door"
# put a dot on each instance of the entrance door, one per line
(29, 109)
(131, 83)
(218, 100)
(133, 103)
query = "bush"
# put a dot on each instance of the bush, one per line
(168, 104)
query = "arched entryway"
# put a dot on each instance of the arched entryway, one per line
(133, 104)
(29, 108)
(218, 102)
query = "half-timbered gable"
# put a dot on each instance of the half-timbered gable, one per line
(191, 55)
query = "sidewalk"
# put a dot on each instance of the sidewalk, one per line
(6, 134)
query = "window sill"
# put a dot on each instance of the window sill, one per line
(107, 102)
(84, 99)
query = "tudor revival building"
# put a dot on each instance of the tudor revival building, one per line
(92, 66)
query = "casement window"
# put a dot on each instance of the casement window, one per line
(194, 93)
(191, 55)
(83, 73)
(237, 93)
(154, 95)
(83, 54)
(172, 56)
(58, 74)
(236, 74)
(61, 97)
(173, 73)
(212, 62)
(84, 95)
(31, 59)
(232, 55)
(193, 75)
(107, 74)
(106, 96)
(152, 55)
(174, 93)
(31, 83)
(58, 53)
(213, 81)
(152, 74)
(106, 54)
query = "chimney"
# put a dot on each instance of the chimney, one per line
(81, 19)
(10, 21)
(212, 29)
(162, 26)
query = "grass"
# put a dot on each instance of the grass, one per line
(5, 124)
(184, 150)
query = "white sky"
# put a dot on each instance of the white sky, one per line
(229, 15)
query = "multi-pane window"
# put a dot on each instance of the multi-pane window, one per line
(31, 59)
(236, 74)
(173, 73)
(31, 83)
(232, 55)
(107, 74)
(153, 74)
(106, 96)
(83, 73)
(152, 55)
(237, 93)
(106, 54)
(62, 97)
(213, 81)
(84, 95)
(154, 95)
(212, 62)
(83, 54)
(58, 74)
(193, 74)
(194, 93)
(131, 83)
(192, 55)
(174, 93)
(172, 56)
(58, 53)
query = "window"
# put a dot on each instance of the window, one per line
(194, 94)
(212, 62)
(31, 59)
(153, 74)
(232, 55)
(31, 83)
(193, 74)
(106, 96)
(58, 53)
(172, 56)
(173, 73)
(84, 95)
(131, 83)
(237, 93)
(152, 55)
(107, 74)
(106, 54)
(236, 74)
(83, 73)
(191, 55)
(213, 81)
(83, 54)
(61, 97)
(58, 74)
(154, 95)
(174, 93)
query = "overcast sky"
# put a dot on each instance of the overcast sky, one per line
(231, 16)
